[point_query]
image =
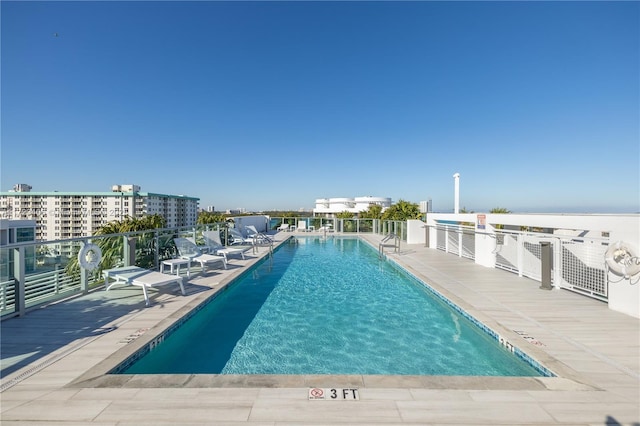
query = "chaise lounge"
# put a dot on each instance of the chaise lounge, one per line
(238, 238)
(188, 250)
(302, 226)
(284, 227)
(212, 240)
(144, 278)
(258, 237)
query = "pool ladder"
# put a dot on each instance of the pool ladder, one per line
(386, 243)
(262, 240)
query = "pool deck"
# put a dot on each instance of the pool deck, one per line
(54, 360)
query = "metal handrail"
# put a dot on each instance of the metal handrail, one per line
(262, 240)
(389, 237)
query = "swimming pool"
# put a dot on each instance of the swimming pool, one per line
(328, 306)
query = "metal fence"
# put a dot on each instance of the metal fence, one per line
(577, 263)
(582, 266)
(458, 240)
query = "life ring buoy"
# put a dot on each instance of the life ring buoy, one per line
(89, 256)
(622, 260)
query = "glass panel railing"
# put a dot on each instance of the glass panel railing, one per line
(51, 270)
(365, 225)
(349, 225)
(333, 224)
(166, 246)
(145, 250)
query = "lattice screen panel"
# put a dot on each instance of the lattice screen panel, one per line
(583, 267)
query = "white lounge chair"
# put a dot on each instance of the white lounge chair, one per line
(238, 238)
(144, 278)
(302, 226)
(188, 250)
(326, 227)
(212, 238)
(257, 237)
(203, 249)
(284, 227)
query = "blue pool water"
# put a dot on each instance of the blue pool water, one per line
(329, 307)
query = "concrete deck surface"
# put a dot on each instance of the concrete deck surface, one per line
(54, 359)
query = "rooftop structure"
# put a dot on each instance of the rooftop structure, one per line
(21, 187)
(329, 207)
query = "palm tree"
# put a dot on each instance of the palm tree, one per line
(344, 215)
(113, 247)
(373, 212)
(205, 218)
(349, 225)
(402, 210)
(499, 210)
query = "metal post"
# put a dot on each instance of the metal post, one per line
(426, 236)
(19, 277)
(126, 257)
(546, 261)
(129, 250)
(84, 281)
(132, 251)
(456, 193)
(156, 252)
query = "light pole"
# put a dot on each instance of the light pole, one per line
(456, 193)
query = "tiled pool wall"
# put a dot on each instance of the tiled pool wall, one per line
(544, 371)
(501, 340)
(123, 366)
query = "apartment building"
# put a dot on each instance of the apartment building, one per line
(61, 215)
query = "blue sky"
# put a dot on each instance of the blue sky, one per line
(271, 105)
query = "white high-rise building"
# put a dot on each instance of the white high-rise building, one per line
(329, 207)
(61, 215)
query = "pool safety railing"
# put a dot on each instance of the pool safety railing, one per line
(390, 240)
(262, 240)
(324, 230)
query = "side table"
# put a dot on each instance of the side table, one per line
(176, 263)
